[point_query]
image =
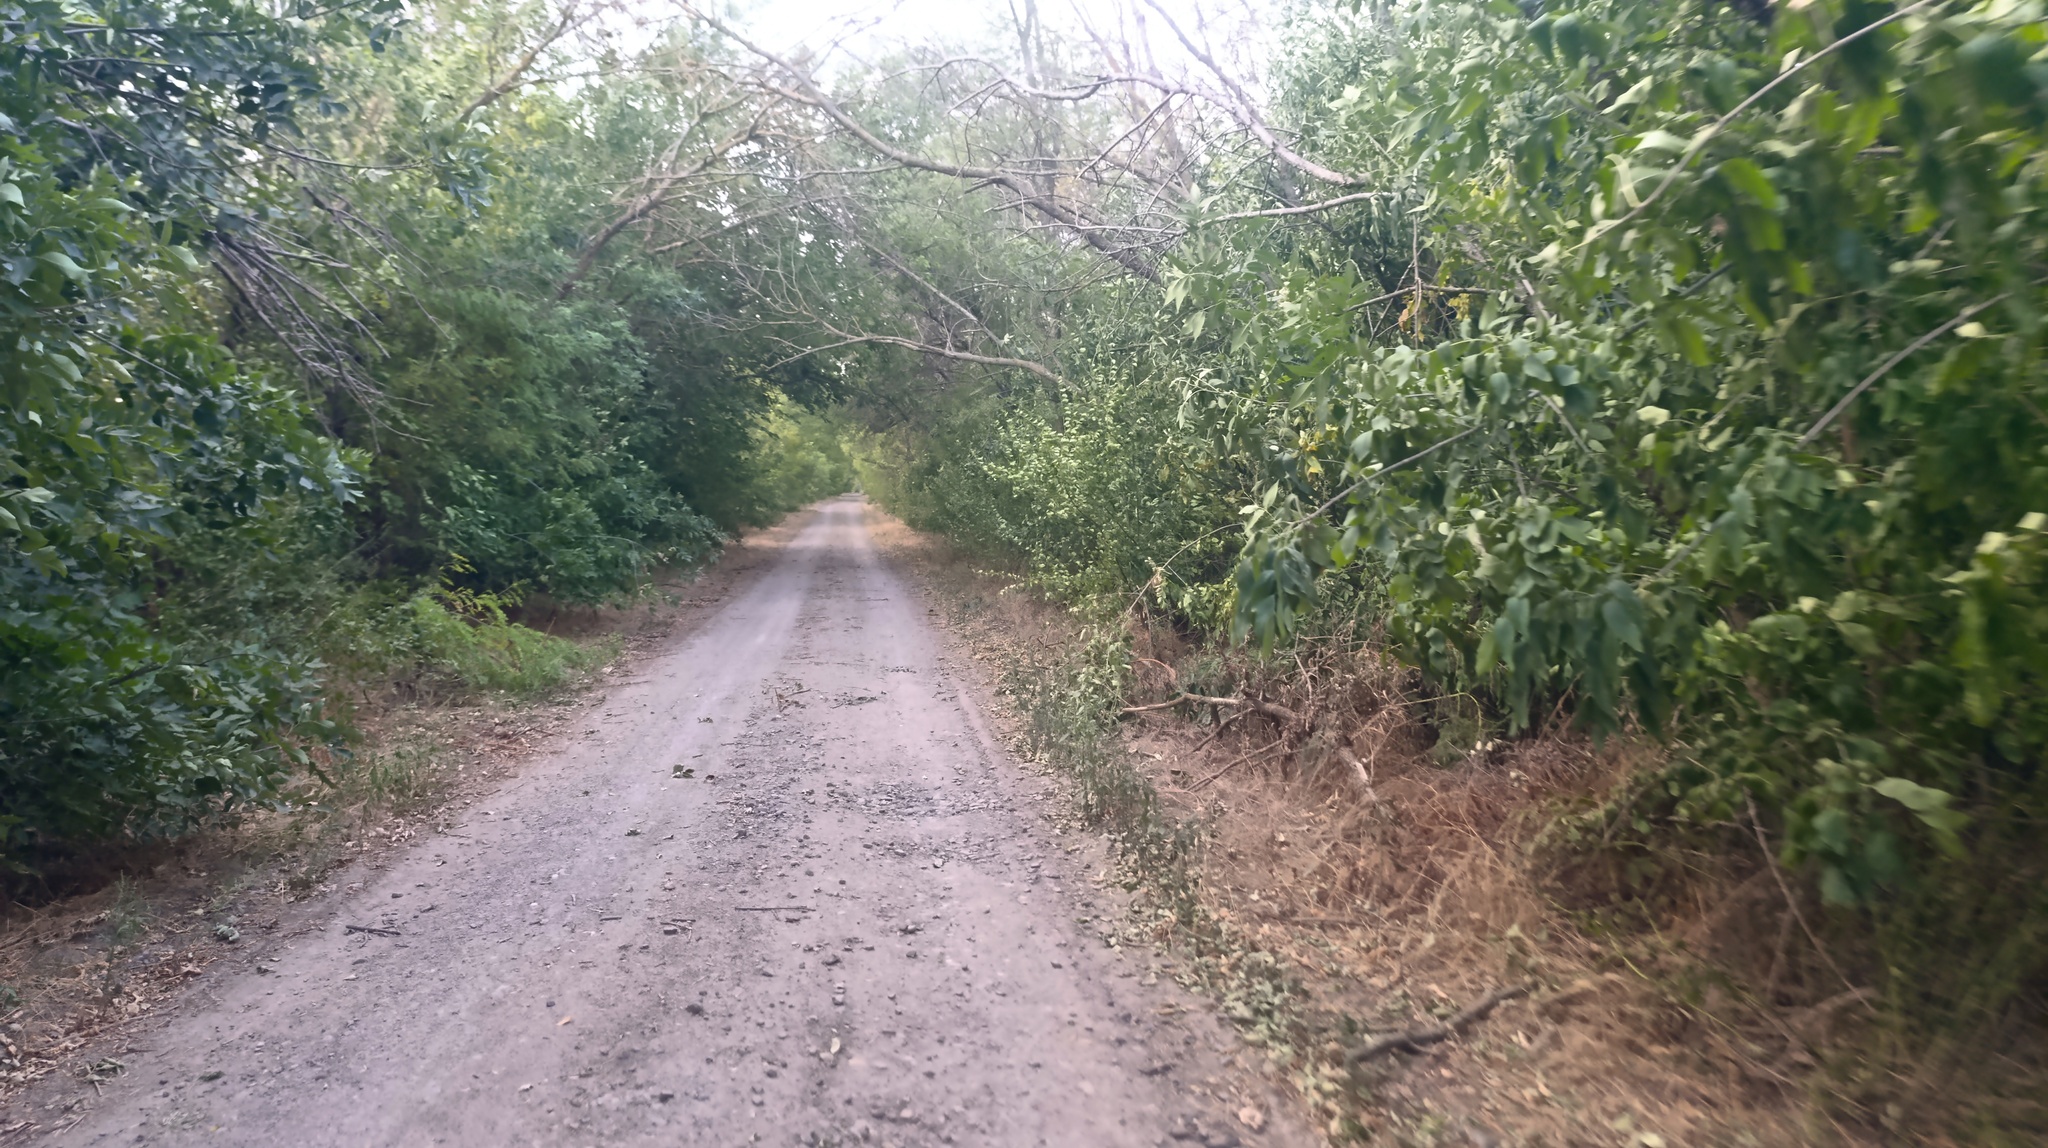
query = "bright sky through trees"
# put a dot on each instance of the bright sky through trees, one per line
(867, 26)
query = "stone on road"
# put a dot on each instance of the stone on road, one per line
(785, 890)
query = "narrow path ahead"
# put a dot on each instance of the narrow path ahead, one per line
(782, 889)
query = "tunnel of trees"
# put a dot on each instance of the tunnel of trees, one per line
(1670, 365)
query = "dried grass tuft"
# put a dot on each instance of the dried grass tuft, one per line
(1397, 856)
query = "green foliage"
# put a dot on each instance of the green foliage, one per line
(465, 638)
(1673, 365)
(1093, 492)
(1739, 445)
(127, 435)
(516, 449)
(252, 397)
(801, 457)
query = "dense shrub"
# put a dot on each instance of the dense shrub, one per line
(243, 415)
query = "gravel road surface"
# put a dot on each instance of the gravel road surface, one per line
(781, 888)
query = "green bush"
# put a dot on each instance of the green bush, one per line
(465, 640)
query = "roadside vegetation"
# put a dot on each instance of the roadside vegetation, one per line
(1574, 465)
(300, 399)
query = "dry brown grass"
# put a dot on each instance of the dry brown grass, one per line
(1393, 874)
(1677, 992)
(1397, 887)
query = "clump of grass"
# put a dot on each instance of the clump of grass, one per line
(128, 916)
(465, 639)
(398, 780)
(1068, 709)
(368, 796)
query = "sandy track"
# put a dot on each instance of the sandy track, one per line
(847, 924)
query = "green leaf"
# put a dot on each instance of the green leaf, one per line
(1691, 343)
(1661, 140)
(64, 263)
(1750, 180)
(1914, 796)
(1931, 806)
(1861, 638)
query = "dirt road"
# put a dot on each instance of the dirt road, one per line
(783, 888)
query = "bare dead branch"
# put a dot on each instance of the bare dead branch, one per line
(1420, 1039)
(1245, 111)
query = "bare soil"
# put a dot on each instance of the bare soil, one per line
(779, 886)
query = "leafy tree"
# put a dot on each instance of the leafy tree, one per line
(127, 430)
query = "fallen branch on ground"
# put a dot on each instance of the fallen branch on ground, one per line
(1341, 922)
(1420, 1039)
(1215, 733)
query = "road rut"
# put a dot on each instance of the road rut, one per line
(782, 888)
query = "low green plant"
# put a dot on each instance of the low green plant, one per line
(397, 779)
(1070, 719)
(128, 916)
(463, 638)
(800, 457)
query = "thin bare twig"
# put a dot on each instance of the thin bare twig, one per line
(1234, 764)
(520, 66)
(1792, 902)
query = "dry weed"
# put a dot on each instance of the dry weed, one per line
(1394, 858)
